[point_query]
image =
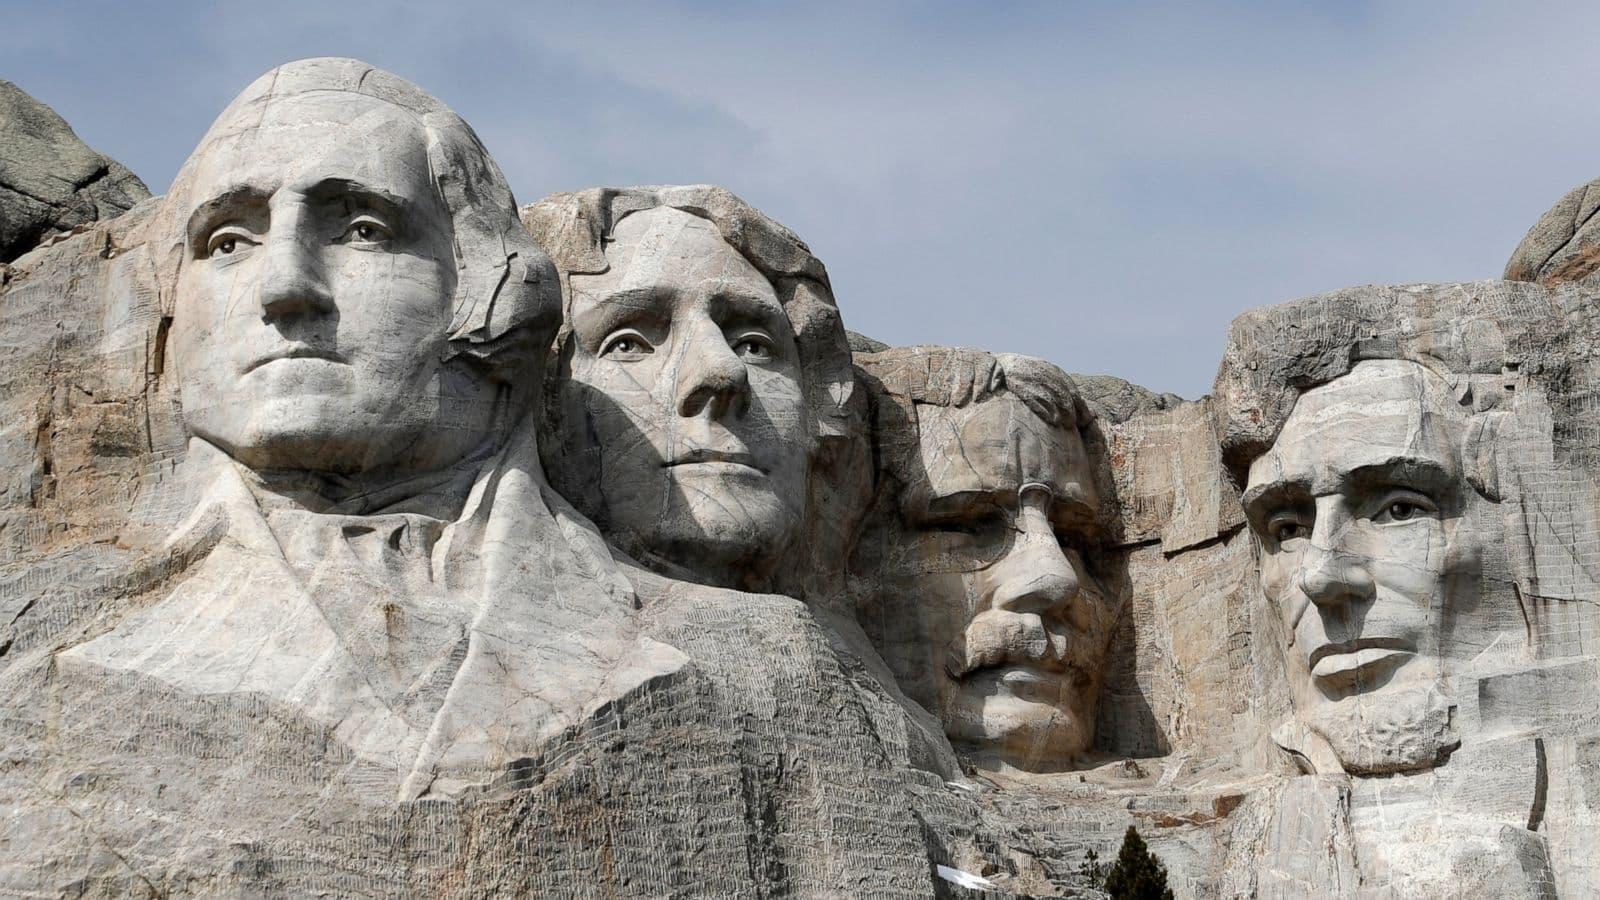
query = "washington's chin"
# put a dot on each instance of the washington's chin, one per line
(312, 434)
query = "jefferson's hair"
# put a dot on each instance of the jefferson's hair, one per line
(575, 227)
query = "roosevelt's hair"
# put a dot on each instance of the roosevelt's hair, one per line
(506, 304)
(575, 228)
(957, 377)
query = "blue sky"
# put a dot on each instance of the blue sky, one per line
(1103, 185)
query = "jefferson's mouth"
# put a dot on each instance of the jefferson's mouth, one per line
(295, 353)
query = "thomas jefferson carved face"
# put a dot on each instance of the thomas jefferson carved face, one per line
(984, 606)
(684, 382)
(1370, 554)
(314, 299)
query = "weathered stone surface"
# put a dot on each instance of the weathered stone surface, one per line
(50, 181)
(289, 607)
(1562, 245)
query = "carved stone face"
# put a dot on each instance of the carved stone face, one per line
(985, 608)
(1367, 550)
(315, 296)
(684, 381)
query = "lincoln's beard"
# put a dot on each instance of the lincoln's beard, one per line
(1402, 729)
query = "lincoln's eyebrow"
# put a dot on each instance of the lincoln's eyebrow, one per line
(1257, 497)
(207, 211)
(1403, 471)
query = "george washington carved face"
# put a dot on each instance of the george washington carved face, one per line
(314, 301)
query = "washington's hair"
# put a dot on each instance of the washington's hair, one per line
(506, 304)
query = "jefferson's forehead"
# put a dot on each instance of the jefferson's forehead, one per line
(665, 247)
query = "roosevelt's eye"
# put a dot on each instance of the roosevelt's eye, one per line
(753, 346)
(229, 240)
(1403, 506)
(626, 344)
(366, 231)
(1288, 526)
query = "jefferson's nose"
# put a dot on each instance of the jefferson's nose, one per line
(1035, 576)
(292, 279)
(1329, 575)
(711, 377)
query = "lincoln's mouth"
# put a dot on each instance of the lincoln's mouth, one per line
(295, 353)
(704, 457)
(1351, 662)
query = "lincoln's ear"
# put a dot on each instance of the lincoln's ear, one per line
(1481, 452)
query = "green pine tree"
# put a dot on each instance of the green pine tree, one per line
(1137, 874)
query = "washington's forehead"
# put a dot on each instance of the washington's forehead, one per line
(313, 136)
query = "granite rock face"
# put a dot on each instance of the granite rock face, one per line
(50, 181)
(363, 533)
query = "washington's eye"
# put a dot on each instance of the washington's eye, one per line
(366, 230)
(1403, 506)
(228, 240)
(753, 346)
(626, 344)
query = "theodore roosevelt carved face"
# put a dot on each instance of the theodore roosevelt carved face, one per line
(1369, 551)
(982, 598)
(314, 301)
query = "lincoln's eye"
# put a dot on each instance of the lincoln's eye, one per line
(626, 345)
(366, 232)
(227, 245)
(1401, 511)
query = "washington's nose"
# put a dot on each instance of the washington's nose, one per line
(1329, 577)
(711, 377)
(292, 282)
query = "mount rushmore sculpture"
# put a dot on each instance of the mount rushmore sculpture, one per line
(366, 533)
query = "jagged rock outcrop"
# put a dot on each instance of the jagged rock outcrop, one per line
(51, 182)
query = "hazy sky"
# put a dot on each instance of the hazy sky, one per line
(1104, 185)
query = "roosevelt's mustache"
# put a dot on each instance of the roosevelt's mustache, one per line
(1000, 638)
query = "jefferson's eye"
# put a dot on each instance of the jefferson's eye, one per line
(626, 344)
(366, 230)
(753, 347)
(228, 240)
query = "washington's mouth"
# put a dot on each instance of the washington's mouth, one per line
(705, 457)
(295, 353)
(1364, 657)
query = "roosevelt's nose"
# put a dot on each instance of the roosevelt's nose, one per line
(710, 376)
(1329, 574)
(1035, 576)
(292, 279)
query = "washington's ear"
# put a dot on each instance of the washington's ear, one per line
(1481, 452)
